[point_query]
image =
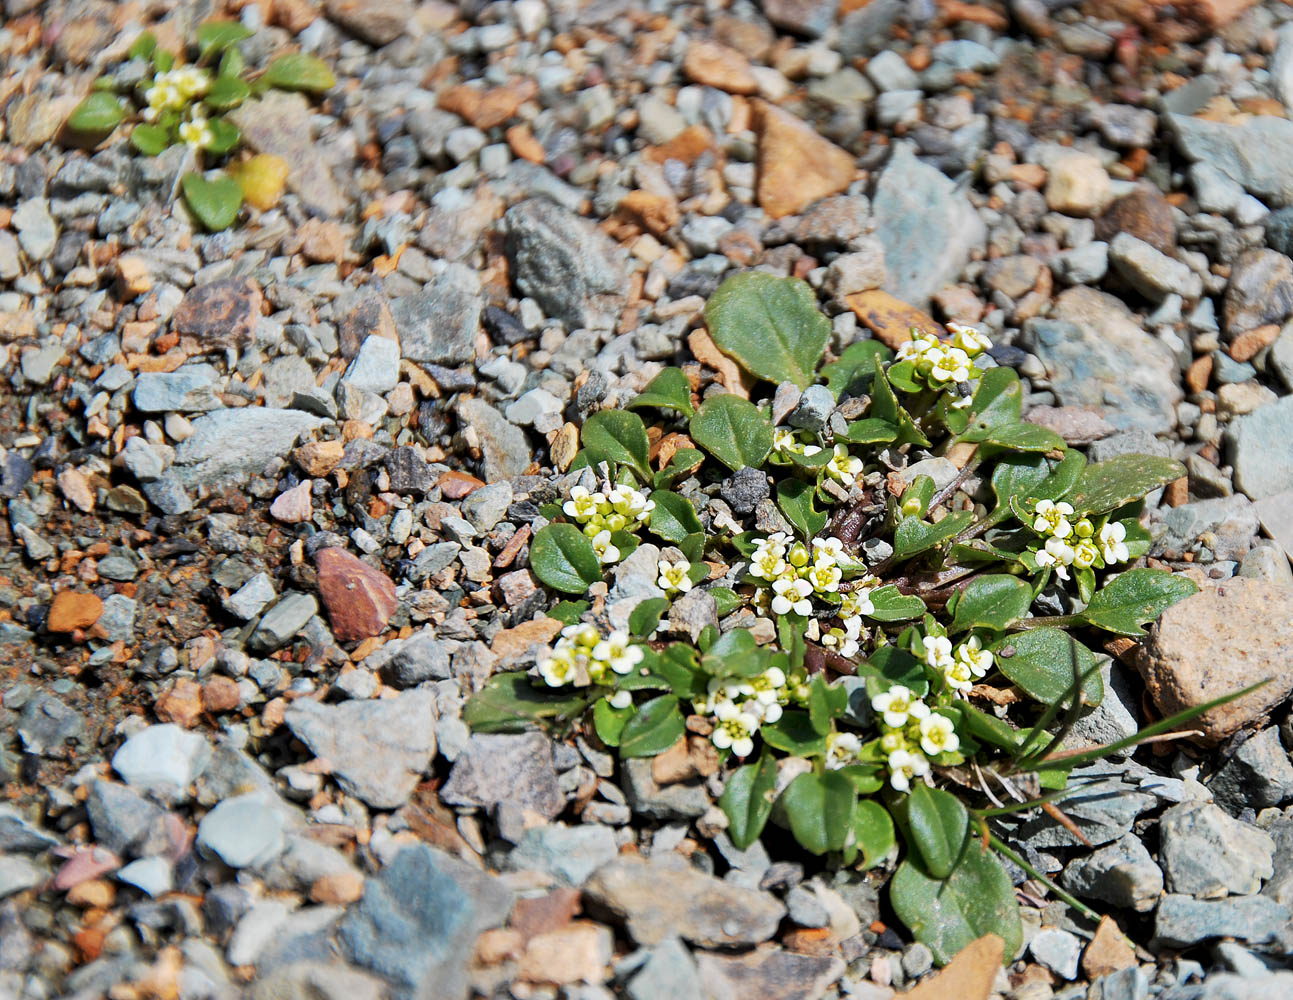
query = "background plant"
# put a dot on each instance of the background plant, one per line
(857, 729)
(167, 102)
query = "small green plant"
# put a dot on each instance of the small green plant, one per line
(168, 102)
(839, 689)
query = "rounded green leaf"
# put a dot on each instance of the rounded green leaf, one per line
(568, 612)
(227, 92)
(915, 535)
(938, 825)
(298, 71)
(1046, 662)
(770, 325)
(216, 36)
(620, 436)
(684, 462)
(98, 114)
(562, 557)
(795, 498)
(646, 616)
(890, 605)
(224, 136)
(1135, 597)
(150, 140)
(669, 390)
(654, 729)
(674, 518)
(855, 368)
(794, 734)
(1017, 477)
(747, 800)
(996, 601)
(1023, 436)
(733, 430)
(232, 63)
(819, 808)
(610, 721)
(1106, 486)
(873, 834)
(509, 703)
(143, 46)
(215, 202)
(998, 400)
(947, 914)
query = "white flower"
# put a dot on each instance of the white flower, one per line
(792, 595)
(1052, 518)
(843, 466)
(842, 749)
(735, 729)
(974, 656)
(1085, 553)
(557, 669)
(621, 699)
(938, 735)
(1059, 554)
(950, 364)
(905, 765)
(784, 440)
(968, 339)
(582, 635)
(1113, 546)
(582, 505)
(857, 602)
(897, 705)
(839, 640)
(606, 551)
(825, 579)
(617, 652)
(673, 577)
(917, 347)
(769, 686)
(938, 651)
(196, 134)
(827, 551)
(957, 676)
(767, 564)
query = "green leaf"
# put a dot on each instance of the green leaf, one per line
(795, 498)
(227, 92)
(998, 400)
(693, 547)
(914, 535)
(610, 721)
(885, 406)
(298, 71)
(770, 325)
(869, 431)
(733, 430)
(947, 914)
(654, 729)
(224, 137)
(747, 800)
(1135, 597)
(820, 810)
(143, 46)
(1044, 663)
(855, 368)
(620, 436)
(232, 64)
(826, 703)
(562, 557)
(509, 703)
(938, 824)
(684, 462)
(214, 202)
(794, 734)
(677, 666)
(163, 60)
(892, 606)
(646, 616)
(568, 612)
(1017, 477)
(149, 139)
(873, 833)
(216, 36)
(98, 114)
(674, 518)
(1023, 436)
(727, 599)
(891, 665)
(669, 390)
(1064, 475)
(995, 601)
(988, 728)
(1106, 486)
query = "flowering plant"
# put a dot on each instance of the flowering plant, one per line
(173, 103)
(875, 613)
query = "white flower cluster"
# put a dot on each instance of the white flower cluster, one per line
(582, 657)
(961, 669)
(601, 514)
(741, 706)
(843, 467)
(175, 90)
(911, 735)
(943, 364)
(1075, 544)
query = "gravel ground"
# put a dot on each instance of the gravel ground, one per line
(267, 492)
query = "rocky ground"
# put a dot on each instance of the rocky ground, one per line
(268, 492)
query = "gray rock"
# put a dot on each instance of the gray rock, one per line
(504, 449)
(926, 225)
(284, 621)
(744, 489)
(418, 919)
(409, 662)
(769, 972)
(1123, 125)
(409, 471)
(806, 908)
(963, 54)
(154, 875)
(1208, 854)
(376, 368)
(1213, 190)
(1281, 66)
(532, 406)
(1264, 985)
(439, 323)
(162, 760)
(379, 750)
(143, 460)
(1280, 359)
(564, 263)
(250, 599)
(802, 17)
(485, 507)
(308, 980)
(815, 405)
(1260, 291)
(1258, 154)
(1103, 806)
(1229, 524)
(18, 874)
(1096, 354)
(1115, 718)
(377, 24)
(10, 265)
(498, 768)
(1058, 950)
(229, 446)
(889, 71)
(38, 366)
(1122, 874)
(47, 724)
(1182, 921)
(569, 853)
(279, 124)
(668, 974)
(120, 817)
(17, 833)
(288, 378)
(246, 831)
(1259, 774)
(1261, 450)
(692, 613)
(664, 898)
(1151, 272)
(37, 230)
(681, 800)
(1131, 983)
(1084, 265)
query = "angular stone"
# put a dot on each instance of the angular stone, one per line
(162, 760)
(220, 313)
(1207, 854)
(1182, 921)
(498, 768)
(47, 725)
(71, 611)
(1145, 214)
(1258, 153)
(505, 451)
(771, 974)
(230, 445)
(571, 853)
(797, 166)
(1261, 450)
(891, 319)
(283, 621)
(1258, 775)
(1260, 291)
(191, 389)
(1122, 874)
(245, 831)
(379, 24)
(439, 324)
(360, 599)
(580, 952)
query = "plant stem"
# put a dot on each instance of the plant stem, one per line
(1072, 901)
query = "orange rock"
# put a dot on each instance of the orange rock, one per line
(182, 704)
(455, 485)
(1246, 346)
(1199, 372)
(339, 887)
(730, 374)
(499, 944)
(1213, 13)
(654, 212)
(796, 165)
(969, 976)
(322, 241)
(318, 458)
(519, 639)
(97, 892)
(488, 108)
(686, 146)
(716, 65)
(524, 144)
(891, 319)
(1108, 952)
(71, 611)
(221, 694)
(360, 599)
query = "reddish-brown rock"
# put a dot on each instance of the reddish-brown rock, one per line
(220, 313)
(360, 600)
(890, 318)
(796, 165)
(221, 694)
(488, 108)
(1145, 214)
(71, 611)
(182, 704)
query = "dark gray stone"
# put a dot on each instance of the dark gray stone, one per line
(1258, 776)
(505, 452)
(744, 489)
(1206, 853)
(1122, 873)
(46, 725)
(1182, 921)
(119, 816)
(439, 324)
(1260, 448)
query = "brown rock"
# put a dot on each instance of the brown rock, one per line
(969, 976)
(1247, 345)
(578, 953)
(512, 645)
(221, 694)
(1214, 14)
(1013, 276)
(1199, 372)
(97, 892)
(653, 212)
(730, 375)
(1108, 952)
(363, 314)
(1077, 184)
(753, 39)
(685, 147)
(71, 611)
(1216, 642)
(318, 458)
(499, 944)
(360, 600)
(294, 15)
(544, 914)
(322, 241)
(673, 765)
(377, 23)
(294, 506)
(133, 274)
(1145, 214)
(772, 973)
(220, 313)
(182, 704)
(1260, 291)
(524, 144)
(73, 484)
(796, 165)
(1075, 424)
(716, 65)
(488, 108)
(891, 319)
(455, 485)
(339, 888)
(959, 304)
